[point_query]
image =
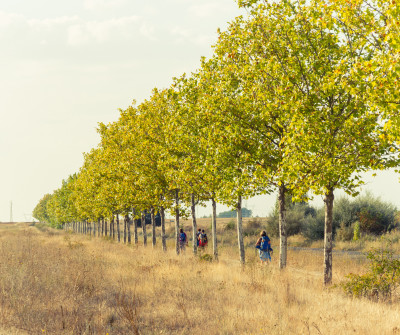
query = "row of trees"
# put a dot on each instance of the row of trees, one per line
(299, 97)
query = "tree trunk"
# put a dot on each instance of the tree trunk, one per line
(163, 237)
(128, 227)
(135, 224)
(102, 227)
(214, 228)
(177, 221)
(144, 229)
(105, 227)
(240, 230)
(118, 229)
(113, 227)
(329, 197)
(98, 227)
(153, 227)
(282, 227)
(194, 224)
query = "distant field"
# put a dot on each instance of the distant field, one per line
(54, 282)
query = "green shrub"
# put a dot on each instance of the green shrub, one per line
(253, 227)
(231, 225)
(374, 215)
(296, 216)
(356, 232)
(313, 226)
(344, 233)
(380, 281)
(206, 258)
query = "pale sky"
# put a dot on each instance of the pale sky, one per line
(67, 65)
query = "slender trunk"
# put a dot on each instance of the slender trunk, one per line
(194, 224)
(105, 227)
(177, 221)
(102, 227)
(98, 227)
(94, 228)
(144, 229)
(329, 197)
(113, 227)
(153, 227)
(240, 230)
(118, 229)
(163, 237)
(135, 224)
(128, 229)
(282, 227)
(214, 228)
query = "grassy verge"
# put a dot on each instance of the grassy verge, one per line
(53, 282)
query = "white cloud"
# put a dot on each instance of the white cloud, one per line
(147, 31)
(179, 31)
(7, 19)
(205, 40)
(206, 9)
(102, 4)
(77, 35)
(102, 31)
(49, 23)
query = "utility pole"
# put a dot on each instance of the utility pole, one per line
(11, 214)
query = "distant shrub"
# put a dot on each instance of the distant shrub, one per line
(344, 233)
(231, 225)
(313, 226)
(252, 227)
(296, 217)
(246, 213)
(380, 281)
(374, 215)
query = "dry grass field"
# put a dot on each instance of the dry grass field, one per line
(53, 282)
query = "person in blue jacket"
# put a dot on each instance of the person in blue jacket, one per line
(264, 247)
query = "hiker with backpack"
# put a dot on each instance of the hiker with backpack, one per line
(182, 239)
(198, 236)
(264, 247)
(203, 240)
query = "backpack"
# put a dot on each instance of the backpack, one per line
(265, 244)
(182, 237)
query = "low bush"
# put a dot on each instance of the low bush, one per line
(345, 233)
(252, 227)
(380, 281)
(231, 225)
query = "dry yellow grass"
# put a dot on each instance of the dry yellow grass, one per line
(53, 282)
